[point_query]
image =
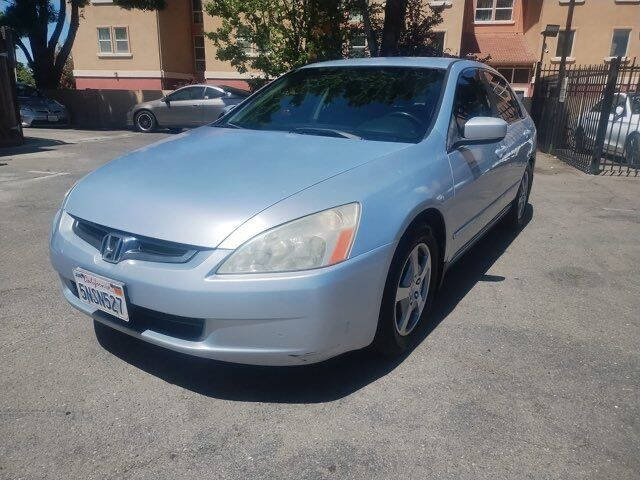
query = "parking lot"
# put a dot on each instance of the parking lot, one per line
(531, 368)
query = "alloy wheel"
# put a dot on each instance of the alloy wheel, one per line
(145, 121)
(524, 190)
(412, 290)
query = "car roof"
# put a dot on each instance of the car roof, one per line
(425, 62)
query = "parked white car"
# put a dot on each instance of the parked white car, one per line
(623, 129)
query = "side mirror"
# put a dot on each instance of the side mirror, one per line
(166, 100)
(478, 129)
(619, 111)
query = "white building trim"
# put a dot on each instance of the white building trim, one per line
(227, 75)
(131, 74)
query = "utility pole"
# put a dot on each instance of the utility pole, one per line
(562, 71)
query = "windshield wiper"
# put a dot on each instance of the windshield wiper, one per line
(329, 132)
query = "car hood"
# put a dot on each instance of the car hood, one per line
(198, 187)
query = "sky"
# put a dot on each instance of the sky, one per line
(19, 55)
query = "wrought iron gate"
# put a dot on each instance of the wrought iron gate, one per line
(571, 123)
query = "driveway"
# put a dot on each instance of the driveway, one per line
(531, 368)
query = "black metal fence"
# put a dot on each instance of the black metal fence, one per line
(570, 119)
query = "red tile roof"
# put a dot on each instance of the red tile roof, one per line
(503, 48)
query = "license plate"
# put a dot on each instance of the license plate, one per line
(52, 118)
(101, 292)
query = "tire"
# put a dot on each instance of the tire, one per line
(399, 328)
(632, 150)
(515, 217)
(580, 140)
(145, 121)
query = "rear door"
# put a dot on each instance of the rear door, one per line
(213, 104)
(472, 164)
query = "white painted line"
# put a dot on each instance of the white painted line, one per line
(37, 179)
(45, 172)
(620, 210)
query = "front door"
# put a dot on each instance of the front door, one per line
(516, 147)
(472, 164)
(183, 108)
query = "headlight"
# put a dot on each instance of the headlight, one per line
(317, 240)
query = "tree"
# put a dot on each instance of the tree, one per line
(275, 36)
(24, 74)
(47, 54)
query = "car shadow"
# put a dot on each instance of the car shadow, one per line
(31, 145)
(322, 382)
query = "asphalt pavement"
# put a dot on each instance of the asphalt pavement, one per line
(530, 370)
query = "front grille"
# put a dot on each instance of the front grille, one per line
(141, 319)
(135, 247)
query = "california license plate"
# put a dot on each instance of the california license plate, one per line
(52, 118)
(102, 293)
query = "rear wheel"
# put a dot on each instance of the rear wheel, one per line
(515, 217)
(409, 292)
(145, 121)
(581, 144)
(632, 150)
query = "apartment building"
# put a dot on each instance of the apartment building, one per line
(131, 49)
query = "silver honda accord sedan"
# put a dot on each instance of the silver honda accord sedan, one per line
(317, 217)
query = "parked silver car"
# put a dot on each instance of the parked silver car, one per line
(189, 106)
(622, 137)
(36, 109)
(316, 218)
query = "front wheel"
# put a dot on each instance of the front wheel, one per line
(408, 293)
(145, 121)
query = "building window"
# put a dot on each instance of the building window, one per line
(104, 40)
(620, 42)
(563, 37)
(113, 40)
(198, 53)
(494, 10)
(196, 6)
(515, 75)
(248, 47)
(122, 39)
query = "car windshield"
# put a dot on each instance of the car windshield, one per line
(374, 103)
(26, 91)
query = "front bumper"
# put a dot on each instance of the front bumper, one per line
(263, 319)
(37, 118)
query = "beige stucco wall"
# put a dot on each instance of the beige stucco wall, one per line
(143, 39)
(452, 16)
(593, 21)
(176, 37)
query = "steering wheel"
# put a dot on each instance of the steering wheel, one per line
(409, 116)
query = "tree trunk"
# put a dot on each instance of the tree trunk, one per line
(372, 39)
(395, 12)
(64, 52)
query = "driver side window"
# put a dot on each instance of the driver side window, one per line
(471, 100)
(189, 93)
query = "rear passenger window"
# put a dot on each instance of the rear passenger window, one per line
(504, 102)
(471, 100)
